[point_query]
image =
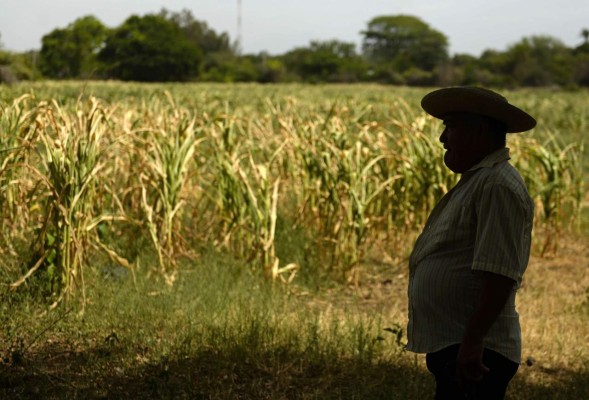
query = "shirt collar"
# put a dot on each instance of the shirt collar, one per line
(492, 159)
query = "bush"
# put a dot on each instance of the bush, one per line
(16, 67)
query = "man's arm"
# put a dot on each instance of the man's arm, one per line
(495, 290)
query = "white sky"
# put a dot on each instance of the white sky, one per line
(277, 26)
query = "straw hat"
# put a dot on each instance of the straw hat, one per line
(477, 101)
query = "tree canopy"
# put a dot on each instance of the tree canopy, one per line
(71, 52)
(404, 42)
(150, 48)
(539, 61)
(199, 32)
(328, 61)
(395, 49)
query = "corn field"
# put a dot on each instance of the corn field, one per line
(108, 170)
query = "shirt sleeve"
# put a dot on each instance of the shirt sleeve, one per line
(503, 233)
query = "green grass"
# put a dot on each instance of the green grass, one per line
(220, 332)
(224, 332)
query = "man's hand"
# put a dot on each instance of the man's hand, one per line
(493, 296)
(469, 363)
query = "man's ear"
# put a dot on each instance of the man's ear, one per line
(484, 130)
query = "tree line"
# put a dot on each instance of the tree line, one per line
(395, 49)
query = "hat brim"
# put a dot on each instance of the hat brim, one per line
(442, 102)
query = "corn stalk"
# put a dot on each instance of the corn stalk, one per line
(554, 174)
(18, 131)
(169, 150)
(362, 187)
(71, 160)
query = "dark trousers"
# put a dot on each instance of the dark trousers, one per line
(442, 364)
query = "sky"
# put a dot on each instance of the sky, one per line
(277, 26)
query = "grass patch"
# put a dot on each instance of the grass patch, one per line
(224, 332)
(220, 332)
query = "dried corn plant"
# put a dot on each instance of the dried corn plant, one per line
(18, 132)
(220, 166)
(553, 172)
(167, 144)
(246, 195)
(71, 159)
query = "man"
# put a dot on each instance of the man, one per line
(468, 262)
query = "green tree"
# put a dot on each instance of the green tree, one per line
(326, 61)
(220, 60)
(225, 67)
(271, 69)
(15, 67)
(581, 56)
(72, 52)
(404, 42)
(199, 33)
(583, 47)
(491, 69)
(539, 61)
(466, 69)
(150, 48)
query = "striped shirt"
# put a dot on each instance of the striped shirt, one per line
(483, 224)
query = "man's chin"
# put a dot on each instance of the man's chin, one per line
(451, 165)
(448, 160)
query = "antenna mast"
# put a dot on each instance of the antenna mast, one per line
(239, 39)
